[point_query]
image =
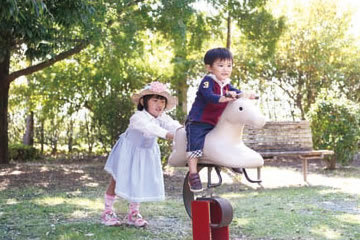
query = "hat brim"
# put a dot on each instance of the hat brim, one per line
(171, 100)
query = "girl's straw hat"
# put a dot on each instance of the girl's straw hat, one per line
(157, 88)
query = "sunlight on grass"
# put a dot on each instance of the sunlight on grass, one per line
(44, 169)
(51, 201)
(273, 177)
(326, 232)
(241, 221)
(329, 191)
(350, 218)
(15, 172)
(79, 214)
(234, 195)
(342, 183)
(92, 184)
(70, 170)
(86, 177)
(78, 171)
(11, 201)
(96, 204)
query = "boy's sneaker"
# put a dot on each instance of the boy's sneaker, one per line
(109, 218)
(195, 182)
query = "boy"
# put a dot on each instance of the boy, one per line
(213, 94)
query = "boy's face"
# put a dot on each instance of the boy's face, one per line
(156, 106)
(221, 68)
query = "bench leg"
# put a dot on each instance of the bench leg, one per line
(304, 167)
(258, 173)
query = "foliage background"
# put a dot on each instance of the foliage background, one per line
(287, 51)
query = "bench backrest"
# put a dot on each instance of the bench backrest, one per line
(280, 136)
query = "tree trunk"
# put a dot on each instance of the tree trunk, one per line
(89, 137)
(70, 135)
(181, 88)
(42, 137)
(28, 138)
(330, 162)
(228, 38)
(54, 142)
(4, 98)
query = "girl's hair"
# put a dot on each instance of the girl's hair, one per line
(217, 53)
(146, 98)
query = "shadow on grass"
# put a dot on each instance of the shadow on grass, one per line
(52, 177)
(65, 201)
(45, 215)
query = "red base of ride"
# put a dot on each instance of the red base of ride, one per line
(206, 221)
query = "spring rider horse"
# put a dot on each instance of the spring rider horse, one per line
(223, 148)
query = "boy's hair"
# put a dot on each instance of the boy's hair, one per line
(146, 98)
(217, 53)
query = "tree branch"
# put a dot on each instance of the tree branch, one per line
(82, 45)
(49, 62)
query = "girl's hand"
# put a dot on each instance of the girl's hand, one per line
(169, 136)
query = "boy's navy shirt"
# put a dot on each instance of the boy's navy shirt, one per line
(206, 107)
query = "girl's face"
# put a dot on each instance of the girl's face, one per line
(221, 68)
(156, 106)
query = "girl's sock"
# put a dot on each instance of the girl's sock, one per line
(109, 202)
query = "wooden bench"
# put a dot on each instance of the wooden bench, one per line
(285, 138)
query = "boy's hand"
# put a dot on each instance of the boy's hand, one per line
(231, 94)
(226, 99)
(250, 95)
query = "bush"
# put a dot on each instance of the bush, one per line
(21, 152)
(165, 149)
(335, 125)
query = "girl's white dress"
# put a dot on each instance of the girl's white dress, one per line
(134, 162)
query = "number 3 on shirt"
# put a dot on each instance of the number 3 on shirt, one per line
(206, 85)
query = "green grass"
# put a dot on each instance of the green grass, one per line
(318, 212)
(33, 214)
(299, 213)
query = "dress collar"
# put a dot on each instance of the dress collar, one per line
(151, 116)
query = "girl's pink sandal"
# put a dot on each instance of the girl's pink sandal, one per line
(109, 218)
(136, 220)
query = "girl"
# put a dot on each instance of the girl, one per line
(134, 162)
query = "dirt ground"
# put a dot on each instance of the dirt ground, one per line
(65, 175)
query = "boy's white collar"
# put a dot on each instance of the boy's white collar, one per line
(227, 81)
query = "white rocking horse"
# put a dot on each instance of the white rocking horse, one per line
(223, 146)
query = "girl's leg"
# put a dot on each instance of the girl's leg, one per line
(110, 195)
(134, 217)
(109, 217)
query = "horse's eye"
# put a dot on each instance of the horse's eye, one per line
(240, 108)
